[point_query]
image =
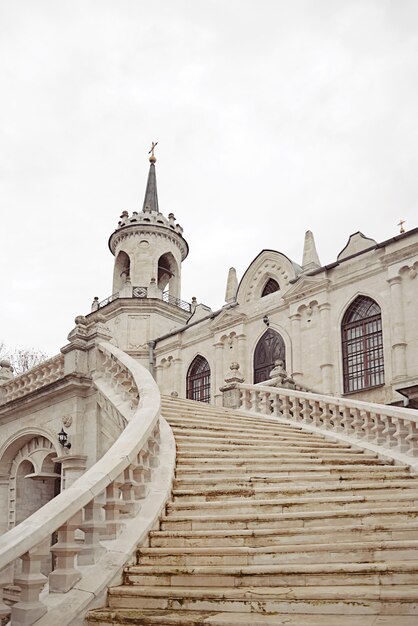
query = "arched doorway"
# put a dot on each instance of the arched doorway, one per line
(198, 380)
(269, 348)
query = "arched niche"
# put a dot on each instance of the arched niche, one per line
(122, 271)
(270, 348)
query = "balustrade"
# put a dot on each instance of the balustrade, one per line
(99, 503)
(390, 428)
(44, 374)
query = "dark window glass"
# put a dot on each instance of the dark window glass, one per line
(198, 380)
(270, 287)
(362, 341)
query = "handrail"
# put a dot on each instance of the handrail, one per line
(39, 376)
(115, 483)
(386, 429)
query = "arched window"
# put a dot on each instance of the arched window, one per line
(362, 343)
(198, 380)
(269, 348)
(270, 287)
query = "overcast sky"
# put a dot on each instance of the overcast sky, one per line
(272, 116)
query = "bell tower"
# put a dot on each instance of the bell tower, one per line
(149, 249)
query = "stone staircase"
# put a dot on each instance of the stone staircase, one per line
(271, 525)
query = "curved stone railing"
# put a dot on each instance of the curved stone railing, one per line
(43, 374)
(103, 503)
(390, 431)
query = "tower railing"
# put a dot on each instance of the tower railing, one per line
(100, 518)
(387, 430)
(144, 292)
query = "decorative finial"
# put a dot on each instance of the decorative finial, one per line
(151, 152)
(402, 229)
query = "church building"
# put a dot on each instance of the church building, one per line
(348, 328)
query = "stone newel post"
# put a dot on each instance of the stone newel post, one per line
(231, 398)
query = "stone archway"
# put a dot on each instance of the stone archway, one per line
(269, 348)
(34, 479)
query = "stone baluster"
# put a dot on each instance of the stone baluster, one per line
(326, 416)
(337, 418)
(346, 420)
(377, 429)
(367, 425)
(92, 526)
(285, 407)
(6, 579)
(357, 423)
(31, 581)
(412, 439)
(265, 402)
(306, 411)
(400, 435)
(276, 405)
(254, 401)
(65, 574)
(112, 509)
(129, 505)
(389, 432)
(316, 414)
(399, 344)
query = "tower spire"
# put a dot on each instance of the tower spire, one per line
(151, 196)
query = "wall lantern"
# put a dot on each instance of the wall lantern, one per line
(63, 439)
(266, 320)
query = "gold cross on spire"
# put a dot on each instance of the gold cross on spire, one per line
(402, 229)
(151, 152)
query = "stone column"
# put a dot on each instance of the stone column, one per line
(72, 467)
(398, 329)
(325, 351)
(242, 354)
(178, 383)
(296, 347)
(219, 371)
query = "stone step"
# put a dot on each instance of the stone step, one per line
(263, 491)
(278, 457)
(214, 420)
(301, 503)
(186, 473)
(241, 436)
(322, 475)
(190, 447)
(262, 537)
(284, 520)
(169, 617)
(346, 552)
(194, 452)
(300, 574)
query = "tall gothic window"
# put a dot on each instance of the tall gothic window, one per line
(198, 380)
(362, 343)
(269, 349)
(270, 287)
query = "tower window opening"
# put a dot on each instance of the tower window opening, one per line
(166, 270)
(362, 345)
